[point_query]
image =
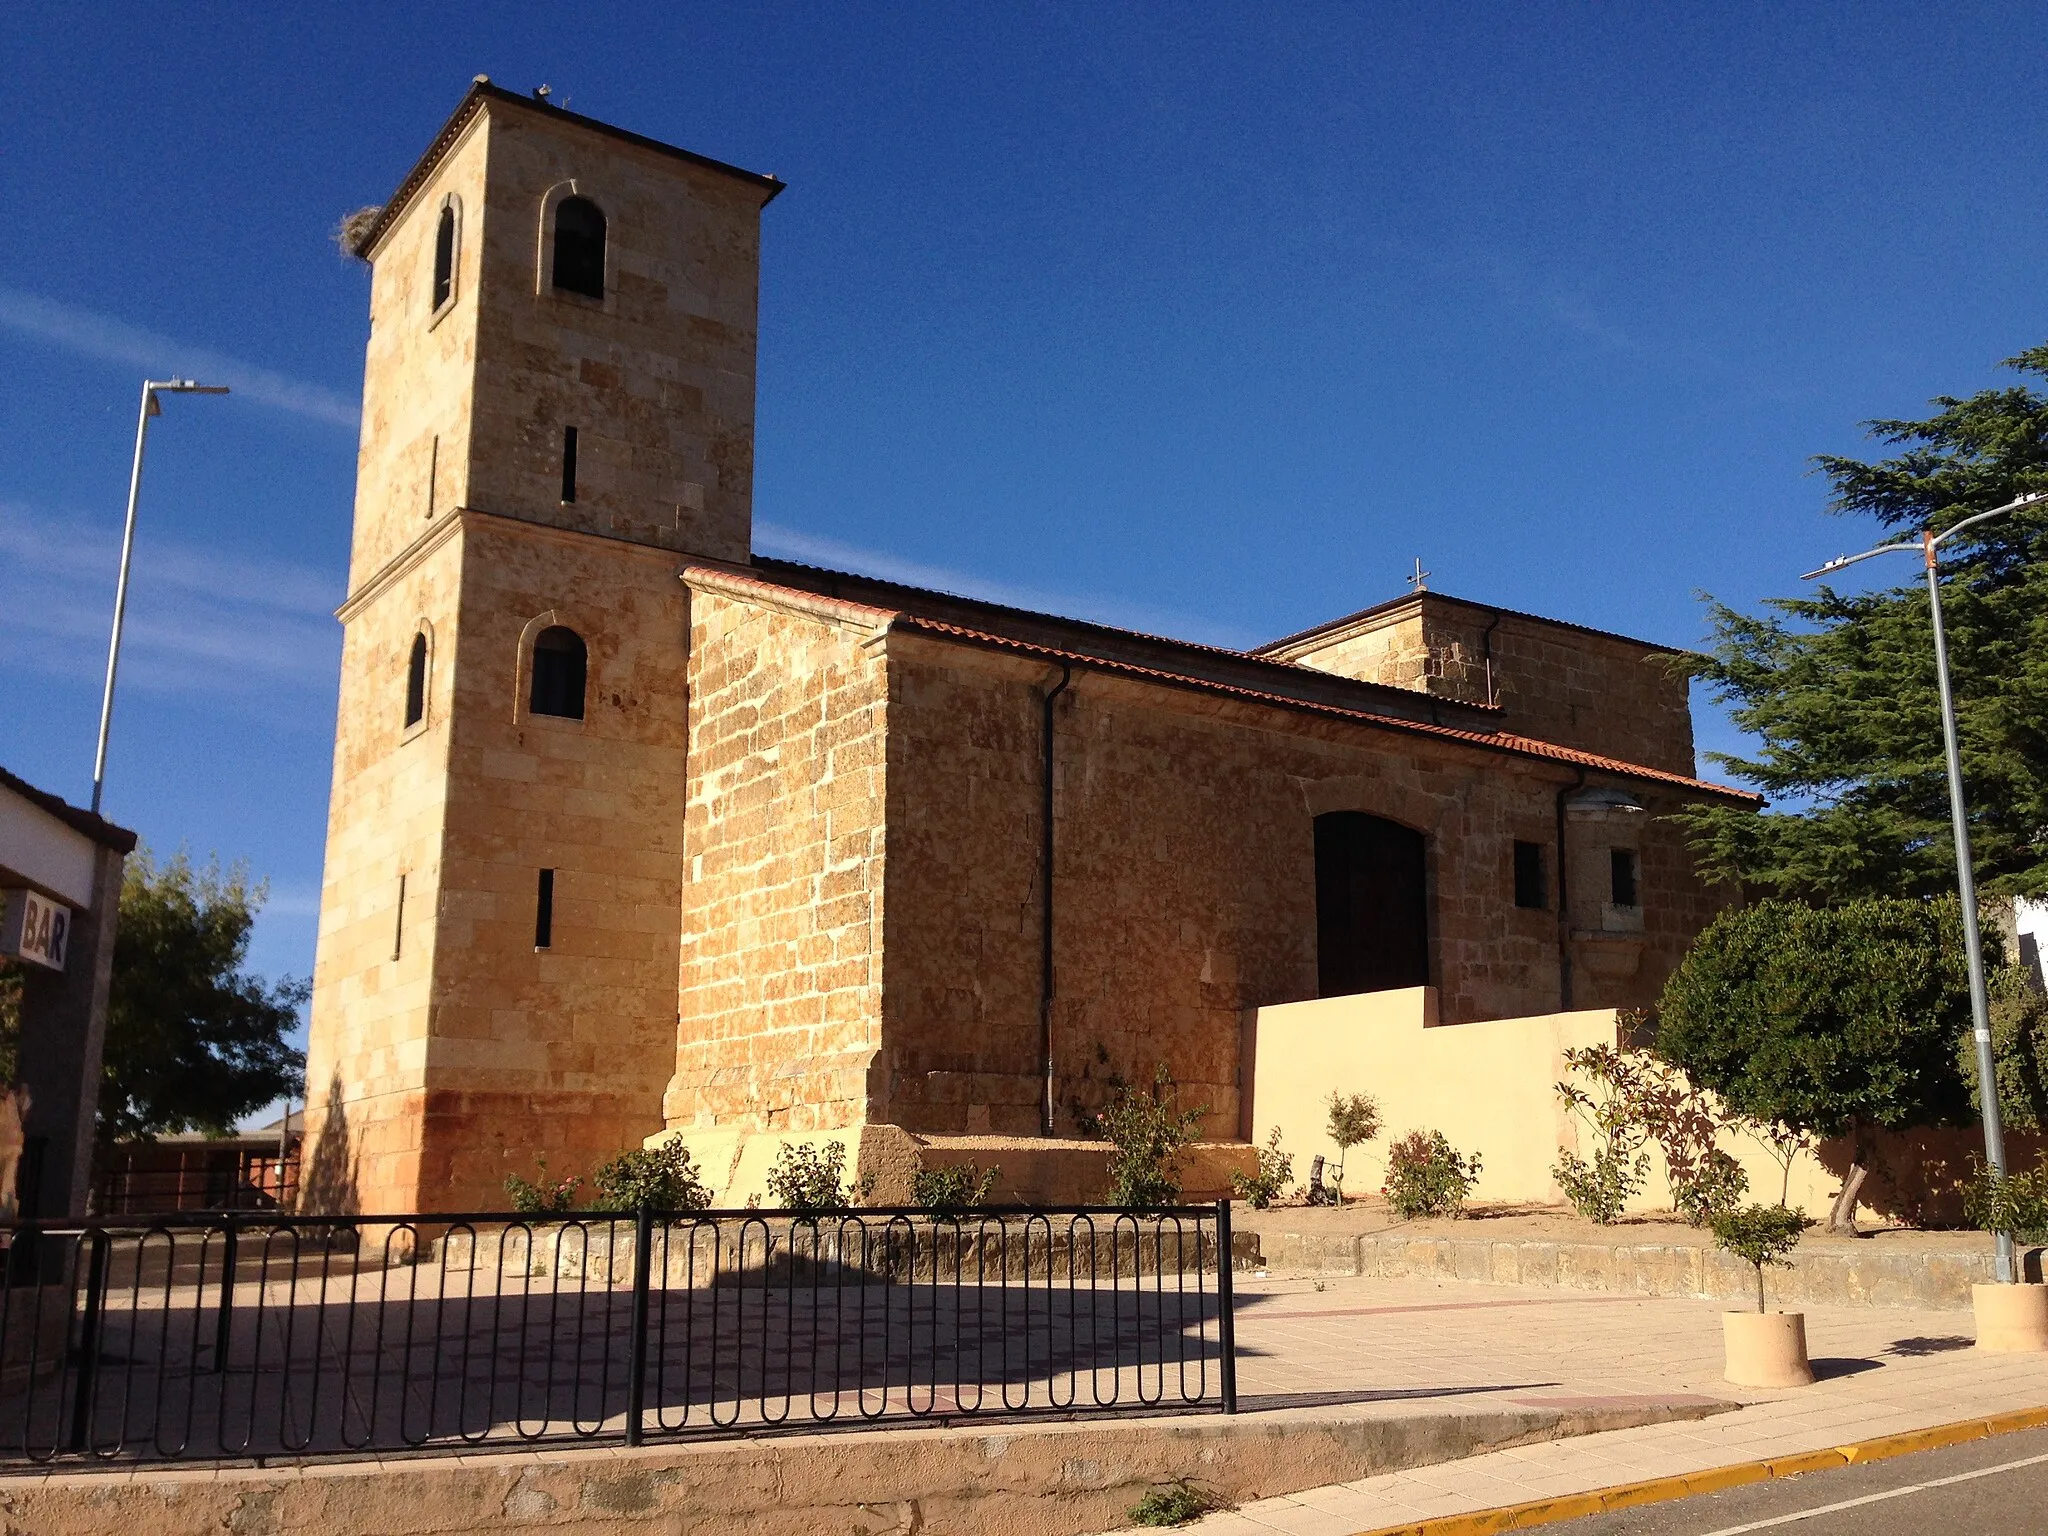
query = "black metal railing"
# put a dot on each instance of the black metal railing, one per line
(261, 1336)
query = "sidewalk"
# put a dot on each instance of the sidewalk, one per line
(1390, 1345)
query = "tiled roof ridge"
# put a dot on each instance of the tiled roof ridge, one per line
(1392, 603)
(1222, 652)
(716, 574)
(1061, 618)
(1499, 741)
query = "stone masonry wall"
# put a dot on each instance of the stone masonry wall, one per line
(561, 1052)
(1596, 692)
(657, 377)
(1185, 886)
(418, 369)
(366, 1058)
(964, 889)
(1555, 682)
(779, 1019)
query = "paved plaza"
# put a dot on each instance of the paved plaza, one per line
(1389, 1347)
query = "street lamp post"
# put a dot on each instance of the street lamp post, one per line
(1928, 545)
(151, 388)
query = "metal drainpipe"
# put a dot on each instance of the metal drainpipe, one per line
(1486, 649)
(1045, 973)
(1564, 916)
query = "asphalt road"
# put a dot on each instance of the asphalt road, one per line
(2000, 1485)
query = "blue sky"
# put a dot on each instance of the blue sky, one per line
(1206, 319)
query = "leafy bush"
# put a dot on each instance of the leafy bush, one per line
(2019, 1049)
(1760, 1234)
(1783, 1142)
(549, 1197)
(1614, 1110)
(1715, 1187)
(1171, 1506)
(955, 1187)
(1426, 1177)
(661, 1178)
(2016, 1204)
(1148, 1130)
(1599, 1190)
(1629, 1100)
(1276, 1172)
(811, 1182)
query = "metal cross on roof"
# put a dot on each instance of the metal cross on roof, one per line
(1420, 580)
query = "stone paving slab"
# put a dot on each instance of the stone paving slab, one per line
(1882, 1371)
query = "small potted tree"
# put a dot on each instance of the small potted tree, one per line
(2011, 1318)
(1763, 1349)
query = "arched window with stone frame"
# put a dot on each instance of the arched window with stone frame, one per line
(580, 232)
(416, 680)
(447, 255)
(559, 673)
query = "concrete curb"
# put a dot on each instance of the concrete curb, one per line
(1660, 1490)
(1056, 1479)
(1939, 1281)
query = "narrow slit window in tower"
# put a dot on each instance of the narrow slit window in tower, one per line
(398, 923)
(416, 681)
(544, 911)
(1531, 889)
(568, 464)
(444, 257)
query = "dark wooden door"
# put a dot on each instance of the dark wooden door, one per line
(1372, 905)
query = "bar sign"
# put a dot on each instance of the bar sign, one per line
(35, 928)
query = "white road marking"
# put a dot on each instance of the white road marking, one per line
(1878, 1498)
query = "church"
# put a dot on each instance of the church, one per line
(636, 833)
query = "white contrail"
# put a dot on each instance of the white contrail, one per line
(93, 335)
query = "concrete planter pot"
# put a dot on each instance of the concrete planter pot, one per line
(1766, 1349)
(2011, 1318)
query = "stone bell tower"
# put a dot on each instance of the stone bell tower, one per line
(558, 410)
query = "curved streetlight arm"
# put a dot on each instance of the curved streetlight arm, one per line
(1926, 544)
(2032, 498)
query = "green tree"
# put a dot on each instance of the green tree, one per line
(194, 1042)
(1840, 688)
(1827, 1020)
(2019, 1046)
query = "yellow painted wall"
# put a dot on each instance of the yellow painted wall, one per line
(1490, 1088)
(1486, 1085)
